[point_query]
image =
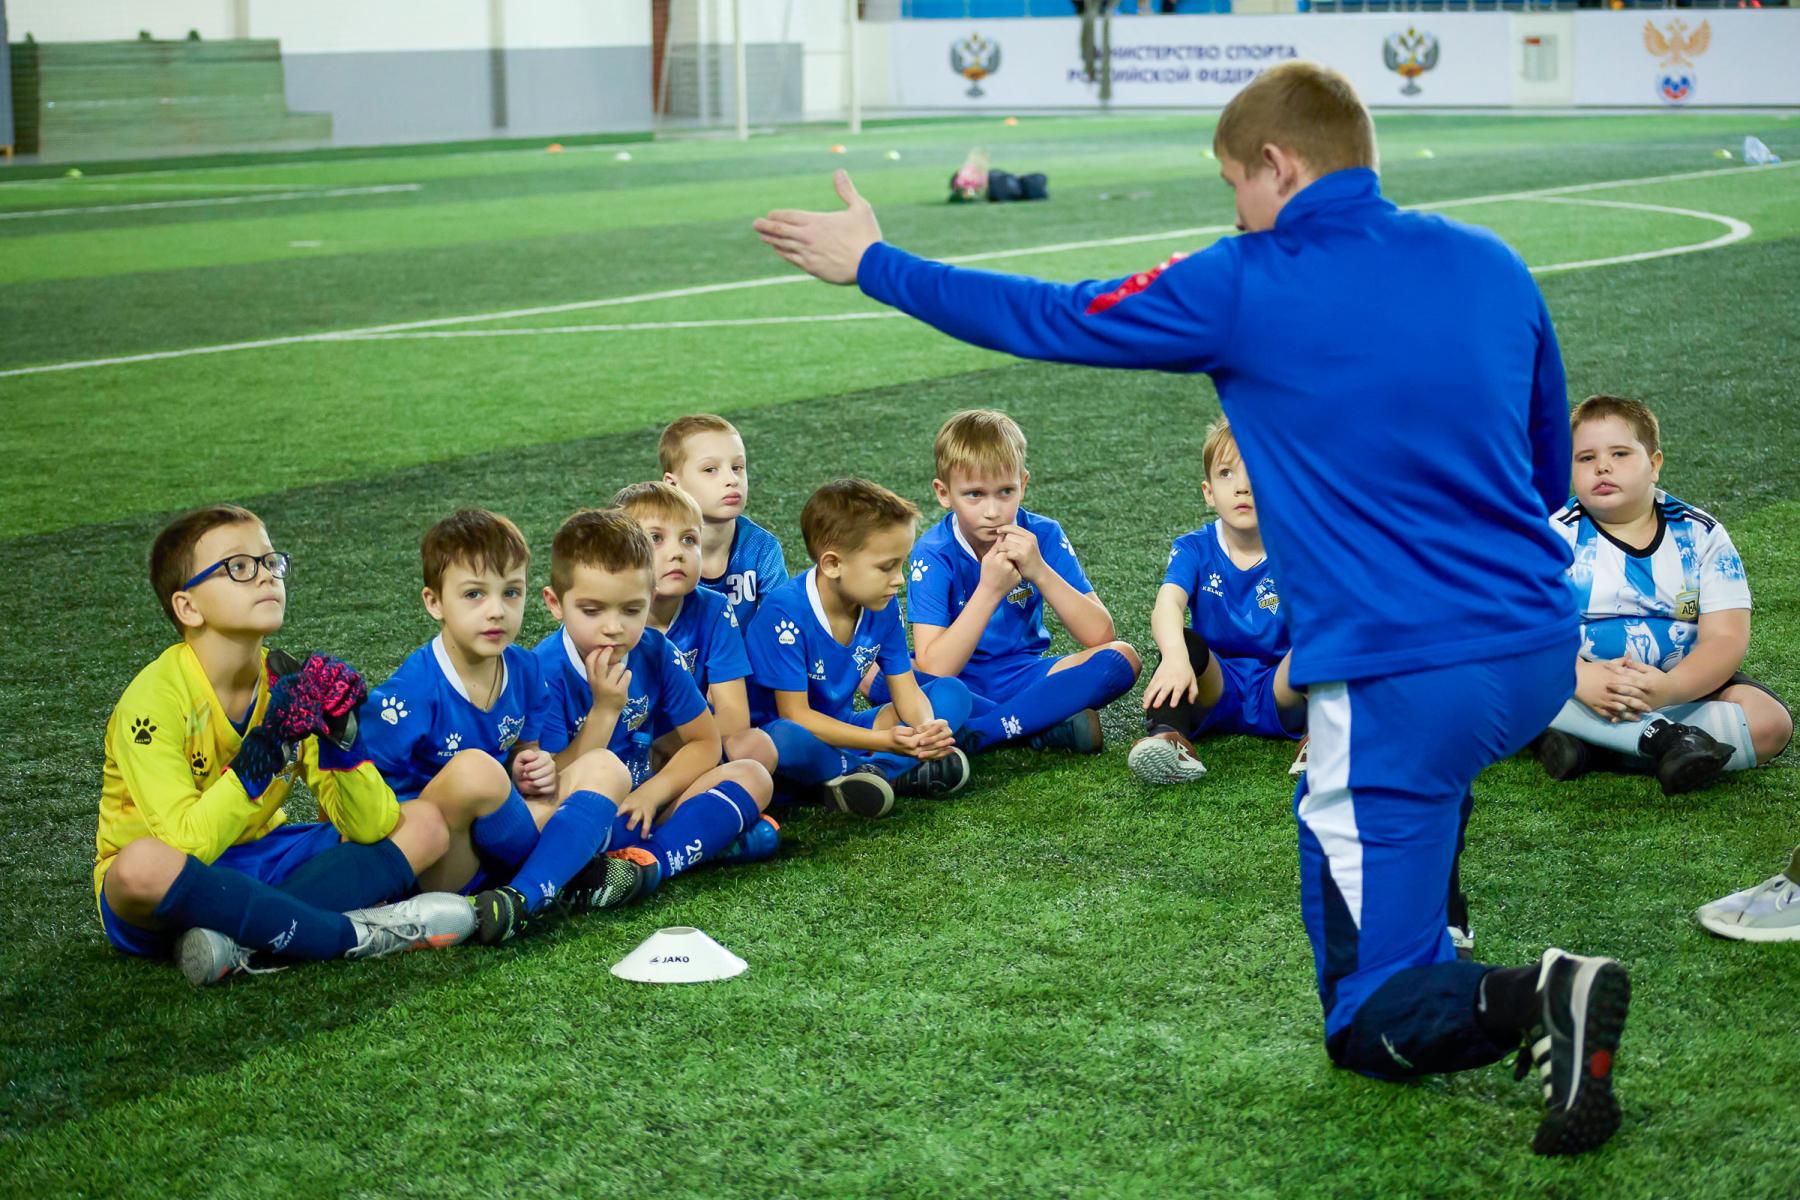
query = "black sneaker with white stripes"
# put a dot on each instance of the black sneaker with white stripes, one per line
(1582, 1003)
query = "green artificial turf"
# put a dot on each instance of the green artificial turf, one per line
(1059, 981)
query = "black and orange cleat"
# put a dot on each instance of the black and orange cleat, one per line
(610, 880)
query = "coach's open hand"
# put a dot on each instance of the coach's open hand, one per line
(826, 245)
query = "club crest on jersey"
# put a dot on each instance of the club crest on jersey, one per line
(510, 729)
(635, 713)
(1266, 596)
(689, 659)
(1021, 596)
(864, 657)
(1687, 606)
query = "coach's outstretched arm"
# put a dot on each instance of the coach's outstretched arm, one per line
(1175, 318)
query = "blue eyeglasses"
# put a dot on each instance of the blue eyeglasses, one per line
(241, 568)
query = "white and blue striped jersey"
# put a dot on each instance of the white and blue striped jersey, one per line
(422, 716)
(755, 568)
(1646, 604)
(1237, 613)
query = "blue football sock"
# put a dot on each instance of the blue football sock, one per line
(507, 835)
(703, 827)
(1095, 683)
(252, 914)
(802, 757)
(572, 836)
(351, 875)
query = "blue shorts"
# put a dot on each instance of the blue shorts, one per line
(995, 681)
(269, 859)
(1247, 703)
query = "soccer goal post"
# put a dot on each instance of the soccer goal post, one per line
(741, 66)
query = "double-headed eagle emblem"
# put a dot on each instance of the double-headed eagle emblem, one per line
(1409, 55)
(1674, 46)
(975, 58)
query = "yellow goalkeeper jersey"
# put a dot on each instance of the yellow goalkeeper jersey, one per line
(168, 743)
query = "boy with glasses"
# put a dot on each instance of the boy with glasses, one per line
(194, 855)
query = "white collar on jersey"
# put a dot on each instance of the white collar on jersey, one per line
(449, 669)
(818, 607)
(574, 654)
(956, 528)
(1219, 536)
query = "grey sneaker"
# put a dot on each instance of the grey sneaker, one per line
(1768, 912)
(207, 957)
(1159, 760)
(428, 921)
(1079, 732)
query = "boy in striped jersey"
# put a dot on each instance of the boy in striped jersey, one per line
(1665, 620)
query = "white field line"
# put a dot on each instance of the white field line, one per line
(101, 185)
(777, 280)
(213, 201)
(1735, 231)
(634, 327)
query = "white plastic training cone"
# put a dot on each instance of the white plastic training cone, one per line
(679, 954)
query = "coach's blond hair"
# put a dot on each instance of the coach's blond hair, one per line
(1308, 110)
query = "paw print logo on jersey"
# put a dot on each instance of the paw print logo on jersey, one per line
(509, 730)
(1011, 726)
(919, 567)
(1214, 584)
(199, 762)
(141, 731)
(452, 743)
(786, 632)
(818, 670)
(392, 709)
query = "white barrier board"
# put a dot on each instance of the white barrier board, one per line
(1687, 57)
(1187, 62)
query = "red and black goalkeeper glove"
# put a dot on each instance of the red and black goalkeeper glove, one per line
(323, 694)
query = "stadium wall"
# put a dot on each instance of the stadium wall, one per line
(411, 70)
(1602, 59)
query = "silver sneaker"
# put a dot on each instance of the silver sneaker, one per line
(1768, 912)
(1158, 760)
(207, 957)
(428, 921)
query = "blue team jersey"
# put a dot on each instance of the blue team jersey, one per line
(707, 641)
(661, 698)
(1236, 612)
(755, 568)
(1395, 387)
(1645, 604)
(946, 570)
(422, 716)
(792, 650)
